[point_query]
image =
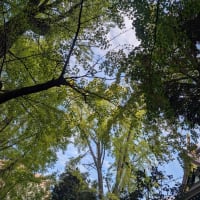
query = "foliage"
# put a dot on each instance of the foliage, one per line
(73, 185)
(166, 63)
(18, 182)
(116, 127)
(51, 88)
(154, 186)
(45, 41)
(46, 56)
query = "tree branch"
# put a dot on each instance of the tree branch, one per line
(8, 95)
(74, 40)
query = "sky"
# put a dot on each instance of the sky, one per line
(118, 39)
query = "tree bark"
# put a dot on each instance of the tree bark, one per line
(15, 27)
(32, 89)
(99, 171)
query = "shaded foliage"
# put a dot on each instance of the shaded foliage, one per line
(166, 63)
(73, 185)
(50, 90)
(155, 186)
(46, 59)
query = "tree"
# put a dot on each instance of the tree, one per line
(49, 88)
(154, 186)
(19, 182)
(164, 70)
(117, 127)
(43, 47)
(166, 63)
(73, 185)
(93, 121)
(53, 28)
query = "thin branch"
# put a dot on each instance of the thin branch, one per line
(4, 43)
(25, 108)
(30, 56)
(17, 141)
(155, 31)
(103, 154)
(7, 122)
(74, 41)
(90, 165)
(85, 93)
(42, 104)
(107, 184)
(92, 153)
(23, 63)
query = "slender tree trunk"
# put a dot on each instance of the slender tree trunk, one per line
(99, 171)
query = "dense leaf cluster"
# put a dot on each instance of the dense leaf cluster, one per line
(166, 63)
(72, 185)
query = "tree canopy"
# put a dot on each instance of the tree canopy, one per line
(73, 185)
(166, 63)
(129, 106)
(46, 55)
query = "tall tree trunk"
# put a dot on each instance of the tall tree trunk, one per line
(99, 170)
(98, 161)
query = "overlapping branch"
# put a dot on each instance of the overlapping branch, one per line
(8, 95)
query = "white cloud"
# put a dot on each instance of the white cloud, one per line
(121, 37)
